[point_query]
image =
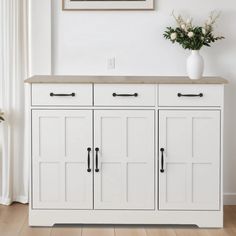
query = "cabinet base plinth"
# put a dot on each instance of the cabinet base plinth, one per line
(202, 219)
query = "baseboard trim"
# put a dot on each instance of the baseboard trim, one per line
(230, 199)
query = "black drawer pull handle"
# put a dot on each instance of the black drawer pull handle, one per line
(190, 95)
(162, 160)
(62, 95)
(96, 169)
(89, 169)
(125, 95)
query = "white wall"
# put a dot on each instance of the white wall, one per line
(83, 40)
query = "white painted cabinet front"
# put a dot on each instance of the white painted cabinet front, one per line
(139, 155)
(60, 142)
(123, 162)
(124, 141)
(189, 144)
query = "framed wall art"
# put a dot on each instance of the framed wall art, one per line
(108, 4)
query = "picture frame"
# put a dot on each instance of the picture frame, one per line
(71, 5)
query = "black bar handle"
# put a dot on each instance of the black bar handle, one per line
(96, 160)
(125, 95)
(162, 160)
(190, 95)
(62, 95)
(89, 150)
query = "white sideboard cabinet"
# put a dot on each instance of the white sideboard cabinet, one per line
(125, 150)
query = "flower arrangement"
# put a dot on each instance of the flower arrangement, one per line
(190, 36)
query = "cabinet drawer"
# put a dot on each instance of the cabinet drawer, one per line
(62, 94)
(124, 95)
(190, 95)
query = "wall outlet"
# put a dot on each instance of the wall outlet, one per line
(111, 63)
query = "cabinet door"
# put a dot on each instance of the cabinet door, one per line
(125, 179)
(60, 139)
(189, 149)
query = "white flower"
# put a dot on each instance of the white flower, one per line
(190, 34)
(173, 36)
(183, 26)
(203, 31)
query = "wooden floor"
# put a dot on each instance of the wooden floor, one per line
(14, 221)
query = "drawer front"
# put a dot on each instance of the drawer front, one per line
(62, 95)
(190, 95)
(124, 94)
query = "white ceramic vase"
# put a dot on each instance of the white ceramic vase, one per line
(195, 65)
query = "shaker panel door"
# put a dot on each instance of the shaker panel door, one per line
(189, 160)
(60, 141)
(125, 159)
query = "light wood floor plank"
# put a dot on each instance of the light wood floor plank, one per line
(229, 218)
(2, 209)
(191, 232)
(98, 231)
(130, 231)
(160, 232)
(221, 232)
(6, 231)
(34, 231)
(230, 208)
(12, 219)
(13, 213)
(66, 231)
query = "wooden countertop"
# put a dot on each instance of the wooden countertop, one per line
(125, 80)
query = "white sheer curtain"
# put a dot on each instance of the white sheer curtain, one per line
(13, 71)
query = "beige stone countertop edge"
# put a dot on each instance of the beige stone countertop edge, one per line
(125, 79)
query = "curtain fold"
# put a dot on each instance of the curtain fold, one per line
(13, 71)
